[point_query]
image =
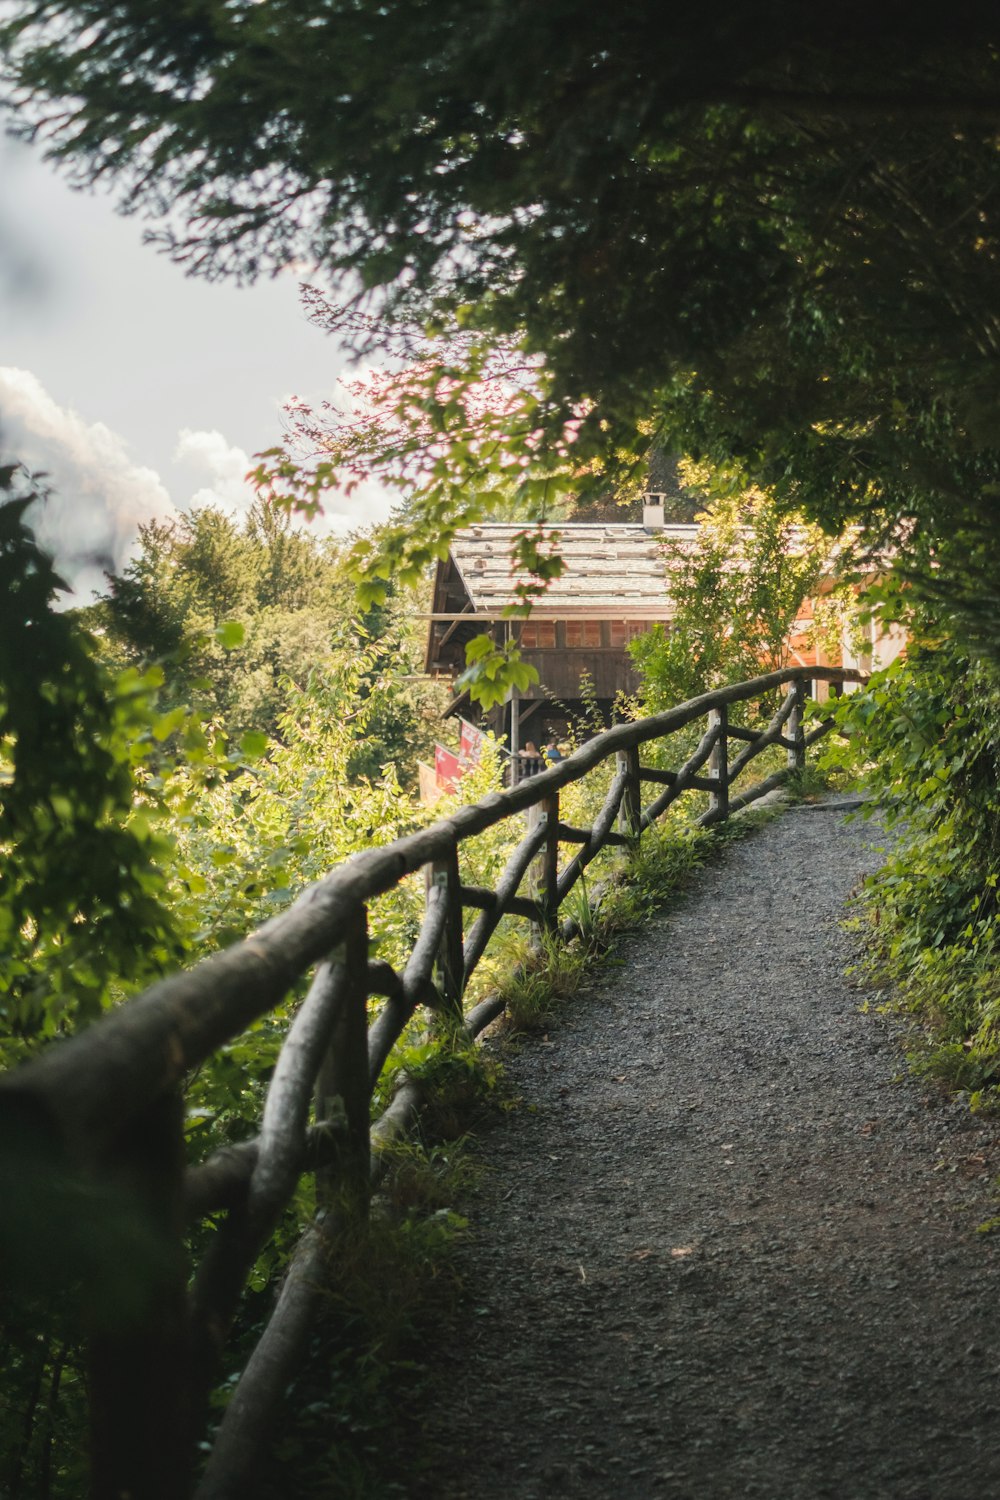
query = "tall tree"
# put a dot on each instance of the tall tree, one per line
(195, 580)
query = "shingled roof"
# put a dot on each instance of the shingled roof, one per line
(609, 566)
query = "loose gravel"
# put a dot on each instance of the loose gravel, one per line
(724, 1246)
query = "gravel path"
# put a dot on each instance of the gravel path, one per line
(721, 1249)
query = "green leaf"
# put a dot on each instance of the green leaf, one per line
(230, 635)
(254, 744)
(479, 648)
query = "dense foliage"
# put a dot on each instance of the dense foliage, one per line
(82, 900)
(767, 236)
(927, 735)
(737, 592)
(245, 616)
(140, 817)
(764, 236)
(190, 576)
(132, 838)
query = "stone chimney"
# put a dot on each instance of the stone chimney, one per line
(652, 510)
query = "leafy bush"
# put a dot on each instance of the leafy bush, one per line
(736, 593)
(83, 898)
(927, 730)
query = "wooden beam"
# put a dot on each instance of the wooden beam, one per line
(530, 706)
(487, 900)
(465, 615)
(650, 616)
(568, 835)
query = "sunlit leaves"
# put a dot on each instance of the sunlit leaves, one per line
(535, 563)
(230, 635)
(233, 606)
(81, 883)
(480, 647)
(253, 744)
(493, 671)
(736, 592)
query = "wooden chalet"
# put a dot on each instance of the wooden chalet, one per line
(614, 587)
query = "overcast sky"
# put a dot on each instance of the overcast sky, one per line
(139, 390)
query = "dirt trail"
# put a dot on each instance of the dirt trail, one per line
(722, 1249)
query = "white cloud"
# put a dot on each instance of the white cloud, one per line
(368, 504)
(99, 495)
(220, 464)
(221, 467)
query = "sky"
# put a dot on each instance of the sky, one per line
(138, 390)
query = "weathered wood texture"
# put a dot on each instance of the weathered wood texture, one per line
(630, 811)
(718, 764)
(104, 1108)
(445, 880)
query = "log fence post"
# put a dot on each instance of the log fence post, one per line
(549, 891)
(630, 814)
(718, 765)
(797, 754)
(342, 1086)
(449, 974)
(544, 883)
(139, 1343)
(110, 1099)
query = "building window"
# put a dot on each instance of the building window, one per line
(583, 633)
(540, 634)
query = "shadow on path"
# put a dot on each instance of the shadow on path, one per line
(721, 1249)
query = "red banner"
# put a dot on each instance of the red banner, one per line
(470, 745)
(448, 769)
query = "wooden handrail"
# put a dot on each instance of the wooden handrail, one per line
(96, 1107)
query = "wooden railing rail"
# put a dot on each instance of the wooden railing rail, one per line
(100, 1116)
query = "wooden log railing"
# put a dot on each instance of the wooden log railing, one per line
(93, 1127)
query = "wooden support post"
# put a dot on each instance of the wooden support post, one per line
(544, 881)
(449, 972)
(630, 812)
(794, 732)
(342, 1085)
(549, 891)
(139, 1354)
(718, 765)
(515, 737)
